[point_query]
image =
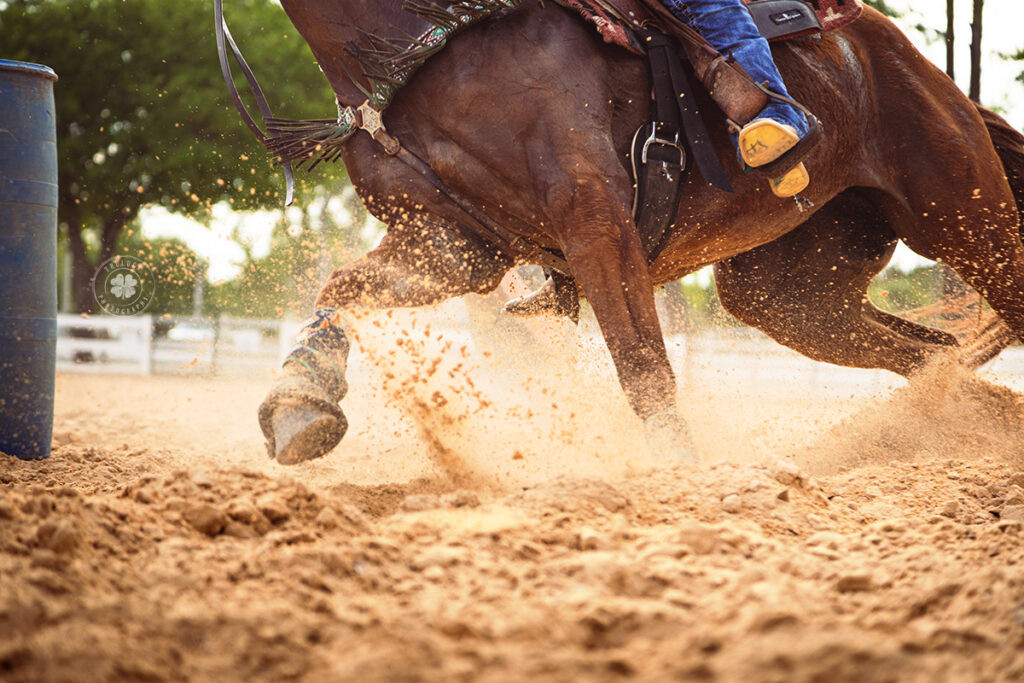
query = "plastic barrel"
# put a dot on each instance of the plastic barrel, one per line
(28, 258)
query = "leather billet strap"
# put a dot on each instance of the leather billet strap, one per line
(658, 153)
(665, 62)
(225, 41)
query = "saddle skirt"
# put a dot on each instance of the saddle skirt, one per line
(611, 17)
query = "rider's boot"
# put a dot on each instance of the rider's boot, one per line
(300, 417)
(775, 132)
(765, 140)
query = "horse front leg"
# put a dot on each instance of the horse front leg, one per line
(301, 417)
(607, 261)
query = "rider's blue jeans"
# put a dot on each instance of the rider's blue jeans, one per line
(728, 26)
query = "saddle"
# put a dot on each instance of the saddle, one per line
(618, 21)
(776, 19)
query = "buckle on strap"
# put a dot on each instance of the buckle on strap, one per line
(369, 118)
(655, 140)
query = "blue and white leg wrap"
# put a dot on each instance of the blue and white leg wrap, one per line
(321, 348)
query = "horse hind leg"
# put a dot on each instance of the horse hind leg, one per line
(415, 265)
(808, 291)
(969, 218)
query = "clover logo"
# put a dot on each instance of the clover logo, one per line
(124, 285)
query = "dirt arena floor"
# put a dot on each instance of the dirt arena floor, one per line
(481, 522)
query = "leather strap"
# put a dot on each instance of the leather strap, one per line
(225, 41)
(697, 136)
(658, 158)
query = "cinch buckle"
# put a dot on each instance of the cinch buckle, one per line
(654, 139)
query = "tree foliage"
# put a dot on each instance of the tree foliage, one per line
(175, 266)
(303, 253)
(143, 114)
(882, 7)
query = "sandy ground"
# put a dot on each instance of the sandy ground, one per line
(482, 522)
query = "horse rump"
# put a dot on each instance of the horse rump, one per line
(1009, 145)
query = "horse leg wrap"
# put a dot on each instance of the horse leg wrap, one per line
(300, 417)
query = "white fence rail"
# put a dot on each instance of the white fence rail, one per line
(170, 344)
(104, 344)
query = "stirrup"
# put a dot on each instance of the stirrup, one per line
(799, 152)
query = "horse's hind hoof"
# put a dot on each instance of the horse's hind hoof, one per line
(300, 421)
(558, 296)
(302, 432)
(668, 436)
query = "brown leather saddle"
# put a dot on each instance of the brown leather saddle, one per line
(777, 19)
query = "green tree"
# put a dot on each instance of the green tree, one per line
(302, 255)
(882, 7)
(143, 114)
(175, 266)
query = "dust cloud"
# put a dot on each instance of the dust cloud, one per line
(495, 514)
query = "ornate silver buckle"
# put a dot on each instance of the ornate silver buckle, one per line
(370, 119)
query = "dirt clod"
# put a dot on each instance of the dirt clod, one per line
(205, 518)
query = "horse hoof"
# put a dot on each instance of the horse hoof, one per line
(302, 432)
(555, 298)
(667, 435)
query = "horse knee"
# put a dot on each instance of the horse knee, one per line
(581, 198)
(467, 266)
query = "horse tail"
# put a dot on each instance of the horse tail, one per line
(1009, 144)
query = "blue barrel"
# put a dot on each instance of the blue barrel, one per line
(28, 258)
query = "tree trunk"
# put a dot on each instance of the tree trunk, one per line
(111, 231)
(975, 92)
(83, 269)
(950, 40)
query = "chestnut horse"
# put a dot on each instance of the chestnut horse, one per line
(530, 117)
